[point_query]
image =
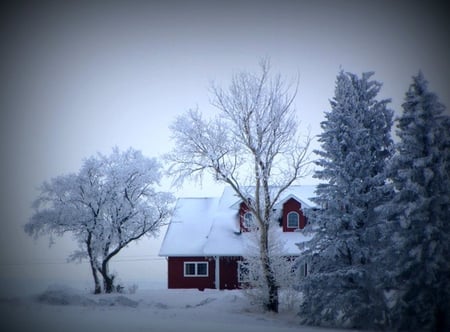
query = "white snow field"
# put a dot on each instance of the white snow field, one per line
(64, 309)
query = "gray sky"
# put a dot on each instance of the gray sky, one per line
(84, 78)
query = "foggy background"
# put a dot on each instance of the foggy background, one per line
(79, 79)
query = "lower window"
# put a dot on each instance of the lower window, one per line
(196, 269)
(243, 272)
(303, 270)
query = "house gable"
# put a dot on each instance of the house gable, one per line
(293, 217)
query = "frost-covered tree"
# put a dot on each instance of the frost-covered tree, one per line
(253, 145)
(420, 213)
(355, 143)
(285, 270)
(111, 202)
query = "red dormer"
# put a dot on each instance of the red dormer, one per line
(292, 216)
(246, 218)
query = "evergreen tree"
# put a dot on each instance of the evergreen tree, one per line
(340, 289)
(420, 213)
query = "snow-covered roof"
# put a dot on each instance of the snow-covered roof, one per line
(210, 227)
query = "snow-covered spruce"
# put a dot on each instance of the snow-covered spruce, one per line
(418, 241)
(341, 287)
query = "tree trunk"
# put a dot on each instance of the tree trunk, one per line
(272, 305)
(108, 284)
(97, 286)
(272, 301)
(108, 280)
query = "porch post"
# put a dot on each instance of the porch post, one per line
(217, 271)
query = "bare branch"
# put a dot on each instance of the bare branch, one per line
(107, 205)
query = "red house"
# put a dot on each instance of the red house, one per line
(207, 237)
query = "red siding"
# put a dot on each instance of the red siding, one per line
(293, 205)
(228, 273)
(176, 278)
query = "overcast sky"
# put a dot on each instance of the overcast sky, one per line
(84, 78)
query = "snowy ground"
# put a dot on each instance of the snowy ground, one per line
(60, 308)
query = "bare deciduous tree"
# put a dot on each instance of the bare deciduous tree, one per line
(108, 204)
(253, 145)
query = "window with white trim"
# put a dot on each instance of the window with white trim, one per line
(249, 220)
(304, 270)
(243, 272)
(293, 220)
(195, 269)
(300, 270)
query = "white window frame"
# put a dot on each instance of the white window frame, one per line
(195, 269)
(304, 270)
(240, 274)
(298, 219)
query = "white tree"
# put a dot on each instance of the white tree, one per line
(111, 202)
(253, 145)
(355, 143)
(285, 268)
(420, 213)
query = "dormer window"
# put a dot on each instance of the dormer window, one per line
(293, 220)
(248, 220)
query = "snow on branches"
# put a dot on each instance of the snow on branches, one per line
(253, 142)
(355, 145)
(111, 202)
